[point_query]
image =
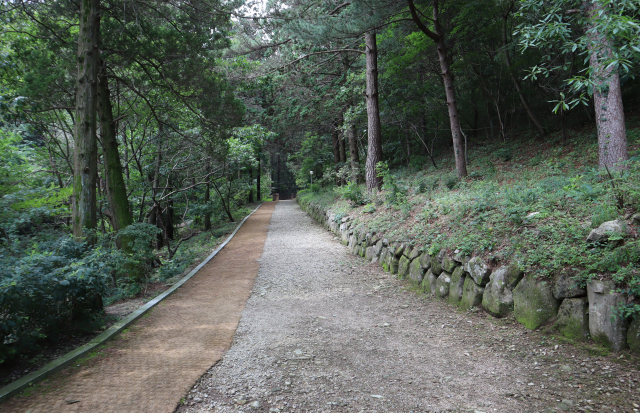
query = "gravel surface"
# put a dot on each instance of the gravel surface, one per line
(324, 331)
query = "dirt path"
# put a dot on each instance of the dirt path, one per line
(324, 332)
(152, 366)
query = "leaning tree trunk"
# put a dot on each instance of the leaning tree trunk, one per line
(85, 157)
(116, 188)
(374, 150)
(612, 137)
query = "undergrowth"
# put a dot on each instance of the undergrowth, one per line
(533, 203)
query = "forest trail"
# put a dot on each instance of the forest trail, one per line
(150, 367)
(324, 331)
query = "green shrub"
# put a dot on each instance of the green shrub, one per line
(44, 292)
(451, 181)
(353, 193)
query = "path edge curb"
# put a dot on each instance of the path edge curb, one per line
(66, 360)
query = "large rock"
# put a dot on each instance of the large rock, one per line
(403, 267)
(478, 270)
(399, 250)
(567, 287)
(456, 285)
(498, 293)
(436, 265)
(416, 272)
(633, 335)
(533, 302)
(448, 264)
(471, 294)
(393, 265)
(425, 261)
(369, 253)
(415, 253)
(442, 285)
(601, 234)
(573, 319)
(429, 282)
(378, 248)
(383, 258)
(606, 328)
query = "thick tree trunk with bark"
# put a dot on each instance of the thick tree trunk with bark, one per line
(612, 135)
(85, 156)
(116, 189)
(374, 150)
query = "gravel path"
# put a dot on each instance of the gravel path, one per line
(323, 331)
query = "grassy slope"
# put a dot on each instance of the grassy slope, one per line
(491, 213)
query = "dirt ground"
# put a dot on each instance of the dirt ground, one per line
(325, 332)
(150, 367)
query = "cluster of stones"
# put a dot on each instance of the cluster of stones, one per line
(572, 310)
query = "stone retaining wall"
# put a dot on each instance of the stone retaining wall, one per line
(574, 311)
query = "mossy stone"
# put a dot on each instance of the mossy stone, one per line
(448, 264)
(425, 261)
(416, 272)
(497, 298)
(471, 294)
(403, 267)
(633, 335)
(429, 282)
(393, 265)
(573, 319)
(456, 285)
(533, 302)
(436, 266)
(442, 285)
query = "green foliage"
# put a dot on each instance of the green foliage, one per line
(451, 180)
(394, 192)
(353, 193)
(604, 214)
(47, 291)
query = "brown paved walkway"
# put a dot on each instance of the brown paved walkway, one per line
(151, 367)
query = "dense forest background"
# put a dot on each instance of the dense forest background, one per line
(131, 129)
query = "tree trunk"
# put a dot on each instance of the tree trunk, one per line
(452, 107)
(258, 194)
(374, 149)
(116, 189)
(612, 137)
(353, 153)
(251, 184)
(447, 77)
(336, 143)
(85, 157)
(207, 197)
(154, 218)
(516, 81)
